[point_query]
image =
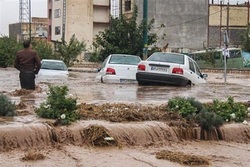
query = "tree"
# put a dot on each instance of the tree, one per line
(44, 50)
(8, 50)
(123, 36)
(245, 38)
(69, 52)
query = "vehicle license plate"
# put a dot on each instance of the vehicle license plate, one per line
(163, 69)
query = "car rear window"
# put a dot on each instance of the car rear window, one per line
(130, 60)
(52, 65)
(167, 57)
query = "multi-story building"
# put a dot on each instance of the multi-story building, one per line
(191, 24)
(36, 29)
(225, 17)
(82, 18)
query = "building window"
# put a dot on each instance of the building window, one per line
(57, 13)
(58, 30)
(127, 5)
(50, 14)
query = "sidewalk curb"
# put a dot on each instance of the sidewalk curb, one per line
(90, 70)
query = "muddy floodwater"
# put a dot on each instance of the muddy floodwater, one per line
(87, 90)
(27, 140)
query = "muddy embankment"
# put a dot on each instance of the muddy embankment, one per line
(102, 133)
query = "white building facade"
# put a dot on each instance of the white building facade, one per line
(82, 18)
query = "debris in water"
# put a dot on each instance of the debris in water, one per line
(108, 138)
(182, 158)
(245, 122)
(98, 136)
(32, 156)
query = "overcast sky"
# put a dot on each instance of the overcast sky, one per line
(9, 11)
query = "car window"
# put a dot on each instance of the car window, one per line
(104, 63)
(191, 65)
(198, 71)
(131, 60)
(51, 65)
(167, 57)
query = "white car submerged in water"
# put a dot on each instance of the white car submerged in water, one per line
(53, 69)
(169, 69)
(119, 68)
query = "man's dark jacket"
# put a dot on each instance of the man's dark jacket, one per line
(27, 60)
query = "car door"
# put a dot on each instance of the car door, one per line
(194, 74)
(199, 73)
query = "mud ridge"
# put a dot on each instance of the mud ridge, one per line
(102, 133)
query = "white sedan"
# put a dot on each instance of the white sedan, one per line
(119, 68)
(170, 69)
(53, 69)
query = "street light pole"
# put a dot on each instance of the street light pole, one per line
(225, 51)
(145, 29)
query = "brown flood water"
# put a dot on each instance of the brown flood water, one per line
(131, 144)
(84, 87)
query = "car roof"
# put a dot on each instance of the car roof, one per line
(52, 60)
(171, 53)
(117, 54)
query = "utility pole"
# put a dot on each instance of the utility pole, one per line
(226, 41)
(30, 19)
(64, 22)
(120, 8)
(220, 21)
(248, 13)
(227, 18)
(145, 29)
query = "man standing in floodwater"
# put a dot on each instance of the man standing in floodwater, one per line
(28, 63)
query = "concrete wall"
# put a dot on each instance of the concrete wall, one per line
(238, 15)
(80, 20)
(185, 21)
(15, 30)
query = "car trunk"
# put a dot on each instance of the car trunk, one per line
(125, 70)
(161, 67)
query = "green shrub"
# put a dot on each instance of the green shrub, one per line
(182, 106)
(198, 105)
(58, 106)
(229, 110)
(208, 120)
(209, 115)
(7, 108)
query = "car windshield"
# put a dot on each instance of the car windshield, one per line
(167, 57)
(53, 65)
(124, 59)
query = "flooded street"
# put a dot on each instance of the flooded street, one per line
(83, 86)
(27, 140)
